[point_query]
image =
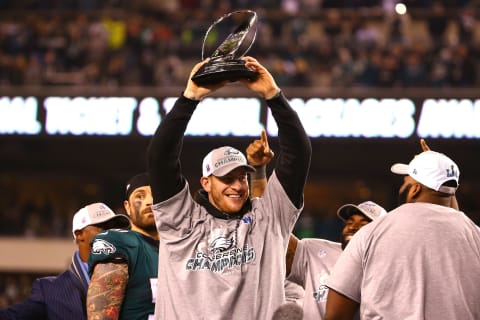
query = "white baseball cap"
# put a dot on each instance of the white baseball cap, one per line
(432, 169)
(221, 161)
(96, 213)
(368, 208)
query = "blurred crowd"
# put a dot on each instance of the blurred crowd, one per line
(303, 42)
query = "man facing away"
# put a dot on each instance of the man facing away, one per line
(220, 255)
(420, 261)
(124, 264)
(63, 296)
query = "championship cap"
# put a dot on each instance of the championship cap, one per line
(432, 169)
(97, 213)
(137, 181)
(368, 208)
(222, 160)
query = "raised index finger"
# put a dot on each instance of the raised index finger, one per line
(424, 145)
(264, 138)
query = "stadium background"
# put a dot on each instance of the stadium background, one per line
(315, 49)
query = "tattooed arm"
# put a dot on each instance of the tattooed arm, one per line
(106, 291)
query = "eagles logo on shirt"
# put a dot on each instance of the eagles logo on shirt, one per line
(222, 254)
(101, 246)
(221, 244)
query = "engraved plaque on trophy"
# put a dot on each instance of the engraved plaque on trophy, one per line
(226, 41)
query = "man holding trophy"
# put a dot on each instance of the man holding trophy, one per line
(222, 254)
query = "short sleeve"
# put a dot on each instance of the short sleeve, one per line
(112, 245)
(346, 277)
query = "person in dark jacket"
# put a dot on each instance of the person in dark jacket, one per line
(63, 297)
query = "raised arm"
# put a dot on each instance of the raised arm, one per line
(295, 148)
(259, 155)
(166, 144)
(340, 307)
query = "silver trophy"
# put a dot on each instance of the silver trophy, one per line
(225, 62)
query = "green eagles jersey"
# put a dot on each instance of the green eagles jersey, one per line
(141, 255)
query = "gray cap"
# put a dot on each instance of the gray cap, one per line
(97, 213)
(221, 161)
(368, 208)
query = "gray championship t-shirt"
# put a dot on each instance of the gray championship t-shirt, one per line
(313, 261)
(421, 261)
(210, 268)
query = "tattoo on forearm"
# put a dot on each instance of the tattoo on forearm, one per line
(106, 291)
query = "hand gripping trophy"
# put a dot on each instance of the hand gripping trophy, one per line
(225, 62)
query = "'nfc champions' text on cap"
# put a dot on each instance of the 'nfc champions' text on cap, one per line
(221, 161)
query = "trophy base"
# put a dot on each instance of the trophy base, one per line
(214, 72)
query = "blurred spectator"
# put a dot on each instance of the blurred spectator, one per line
(413, 73)
(437, 23)
(466, 22)
(343, 72)
(464, 67)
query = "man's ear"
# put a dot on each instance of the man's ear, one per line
(126, 206)
(415, 190)
(78, 236)
(205, 183)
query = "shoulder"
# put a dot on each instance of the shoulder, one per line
(274, 191)
(315, 242)
(115, 242)
(315, 245)
(117, 236)
(176, 201)
(45, 282)
(46, 285)
(48, 279)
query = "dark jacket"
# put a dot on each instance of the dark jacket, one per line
(54, 298)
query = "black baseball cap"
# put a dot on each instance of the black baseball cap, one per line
(137, 181)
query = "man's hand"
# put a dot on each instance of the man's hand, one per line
(196, 92)
(264, 85)
(259, 152)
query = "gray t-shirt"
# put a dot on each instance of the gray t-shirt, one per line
(421, 261)
(313, 261)
(210, 268)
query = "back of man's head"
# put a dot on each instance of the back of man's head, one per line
(436, 172)
(432, 169)
(288, 311)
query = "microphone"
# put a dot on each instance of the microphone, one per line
(288, 311)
